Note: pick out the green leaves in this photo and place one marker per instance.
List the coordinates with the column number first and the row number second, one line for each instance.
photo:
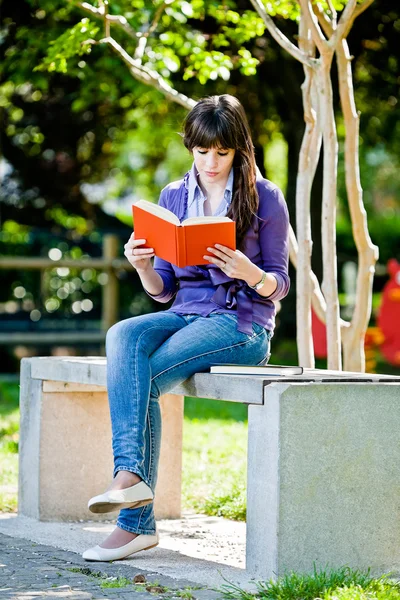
column 288, row 9
column 208, row 65
column 175, row 45
column 238, row 28
column 247, row 62
column 76, row 41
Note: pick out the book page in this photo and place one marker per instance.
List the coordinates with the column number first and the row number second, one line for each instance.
column 157, row 210
column 205, row 220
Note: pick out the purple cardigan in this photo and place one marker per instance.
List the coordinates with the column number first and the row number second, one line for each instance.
column 206, row 289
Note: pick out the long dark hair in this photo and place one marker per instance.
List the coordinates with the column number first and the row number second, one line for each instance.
column 220, row 122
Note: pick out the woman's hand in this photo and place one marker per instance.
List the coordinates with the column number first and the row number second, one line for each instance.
column 138, row 257
column 235, row 264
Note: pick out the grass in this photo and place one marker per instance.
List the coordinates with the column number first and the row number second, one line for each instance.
column 139, row 583
column 116, row 582
column 9, row 437
column 328, row 584
column 214, row 457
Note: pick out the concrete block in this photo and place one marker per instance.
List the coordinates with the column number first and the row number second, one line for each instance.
column 66, row 452
column 168, row 494
column 324, row 482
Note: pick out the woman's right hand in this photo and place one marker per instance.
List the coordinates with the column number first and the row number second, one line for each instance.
column 139, row 258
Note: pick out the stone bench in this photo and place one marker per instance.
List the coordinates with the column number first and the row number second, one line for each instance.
column 323, row 459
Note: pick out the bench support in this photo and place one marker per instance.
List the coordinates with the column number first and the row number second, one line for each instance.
column 66, row 454
column 323, row 478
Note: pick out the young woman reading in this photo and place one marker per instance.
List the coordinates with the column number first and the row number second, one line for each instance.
column 223, row 311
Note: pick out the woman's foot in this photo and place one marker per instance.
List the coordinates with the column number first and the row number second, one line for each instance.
column 123, row 480
column 119, row 537
column 127, row 490
column 108, row 552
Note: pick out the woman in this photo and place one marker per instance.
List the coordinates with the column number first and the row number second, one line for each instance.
column 223, row 311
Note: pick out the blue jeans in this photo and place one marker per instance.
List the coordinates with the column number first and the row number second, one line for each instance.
column 147, row 356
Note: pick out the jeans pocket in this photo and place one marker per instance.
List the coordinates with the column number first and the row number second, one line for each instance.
column 258, row 328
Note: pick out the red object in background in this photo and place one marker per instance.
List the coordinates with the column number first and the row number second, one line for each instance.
column 319, row 336
column 389, row 315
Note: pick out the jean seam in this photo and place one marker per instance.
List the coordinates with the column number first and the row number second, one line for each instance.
column 136, row 358
column 136, row 395
column 151, row 438
column 253, row 338
column 150, row 463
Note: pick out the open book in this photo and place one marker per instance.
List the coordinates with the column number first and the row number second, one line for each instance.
column 265, row 370
column 183, row 244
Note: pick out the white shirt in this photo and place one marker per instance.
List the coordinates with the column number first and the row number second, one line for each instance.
column 196, row 198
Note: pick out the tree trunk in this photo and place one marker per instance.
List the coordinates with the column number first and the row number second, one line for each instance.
column 353, row 336
column 329, row 283
column 308, row 160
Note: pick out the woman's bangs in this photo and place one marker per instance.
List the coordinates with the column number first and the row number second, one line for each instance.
column 212, row 133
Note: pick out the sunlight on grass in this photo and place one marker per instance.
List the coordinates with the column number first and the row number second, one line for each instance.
column 9, row 437
column 8, row 481
column 214, row 467
column 335, row 584
column 215, row 458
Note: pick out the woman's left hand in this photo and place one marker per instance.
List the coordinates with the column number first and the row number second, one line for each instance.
column 234, row 263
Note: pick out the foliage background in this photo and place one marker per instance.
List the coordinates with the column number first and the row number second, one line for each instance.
column 81, row 139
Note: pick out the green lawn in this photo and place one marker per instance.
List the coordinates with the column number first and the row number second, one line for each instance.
column 324, row 584
column 9, row 424
column 214, row 457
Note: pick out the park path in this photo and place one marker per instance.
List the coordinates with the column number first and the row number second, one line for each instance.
column 29, row 570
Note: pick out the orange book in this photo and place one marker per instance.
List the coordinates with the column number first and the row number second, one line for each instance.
column 182, row 244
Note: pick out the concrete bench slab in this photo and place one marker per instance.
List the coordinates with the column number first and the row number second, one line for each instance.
column 323, row 456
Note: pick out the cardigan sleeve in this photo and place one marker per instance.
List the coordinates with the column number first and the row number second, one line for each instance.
column 274, row 241
column 163, row 267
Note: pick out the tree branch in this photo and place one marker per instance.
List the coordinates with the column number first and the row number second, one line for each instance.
column 317, row 298
column 360, row 8
column 157, row 17
column 117, row 20
column 149, row 77
column 333, row 11
column 344, row 24
column 278, row 36
column 106, row 22
column 326, row 23
column 141, row 47
column 317, row 35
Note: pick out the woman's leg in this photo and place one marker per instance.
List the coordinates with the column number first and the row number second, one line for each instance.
column 129, row 345
column 136, row 426
column 205, row 341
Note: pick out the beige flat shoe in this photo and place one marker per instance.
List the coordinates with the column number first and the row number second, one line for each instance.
column 137, row 495
column 141, row 542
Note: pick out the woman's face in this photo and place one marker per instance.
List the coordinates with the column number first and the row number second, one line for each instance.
column 213, row 164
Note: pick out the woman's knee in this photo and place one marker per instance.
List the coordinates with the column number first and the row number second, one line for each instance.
column 129, row 332
column 121, row 333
